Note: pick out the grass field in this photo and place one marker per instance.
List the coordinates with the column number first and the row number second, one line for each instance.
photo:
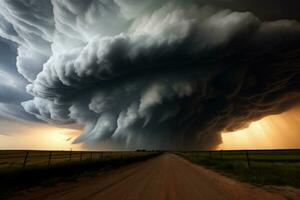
column 12, row 159
column 262, row 167
column 23, row 169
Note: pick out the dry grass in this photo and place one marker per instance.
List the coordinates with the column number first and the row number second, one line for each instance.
column 265, row 167
column 37, row 172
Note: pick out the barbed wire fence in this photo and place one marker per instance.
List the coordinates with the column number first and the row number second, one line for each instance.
column 249, row 156
column 23, row 159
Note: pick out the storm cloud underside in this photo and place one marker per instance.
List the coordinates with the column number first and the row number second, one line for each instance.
column 152, row 74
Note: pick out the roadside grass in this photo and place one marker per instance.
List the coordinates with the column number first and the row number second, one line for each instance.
column 262, row 171
column 16, row 179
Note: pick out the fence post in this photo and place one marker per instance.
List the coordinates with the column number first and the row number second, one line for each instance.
column 70, row 156
column 25, row 159
column 80, row 156
column 221, row 154
column 248, row 159
column 91, row 155
column 49, row 159
column 100, row 155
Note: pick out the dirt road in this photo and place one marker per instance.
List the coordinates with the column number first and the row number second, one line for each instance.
column 167, row 177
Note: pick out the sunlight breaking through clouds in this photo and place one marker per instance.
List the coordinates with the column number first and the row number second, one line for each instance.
column 148, row 74
column 275, row 131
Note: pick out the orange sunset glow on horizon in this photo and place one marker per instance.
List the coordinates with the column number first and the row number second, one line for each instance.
column 271, row 132
column 40, row 137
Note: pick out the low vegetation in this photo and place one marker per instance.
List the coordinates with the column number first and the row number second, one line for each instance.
column 265, row 167
column 15, row 177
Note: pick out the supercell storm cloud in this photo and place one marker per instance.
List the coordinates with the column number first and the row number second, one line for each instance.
column 152, row 74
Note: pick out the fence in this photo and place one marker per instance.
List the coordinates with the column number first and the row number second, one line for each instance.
column 249, row 156
column 21, row 159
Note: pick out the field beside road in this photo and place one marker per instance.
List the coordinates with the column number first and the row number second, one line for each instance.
column 117, row 175
column 24, row 169
column 165, row 177
column 16, row 159
column 262, row 167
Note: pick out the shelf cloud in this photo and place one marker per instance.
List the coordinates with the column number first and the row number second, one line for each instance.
column 151, row 74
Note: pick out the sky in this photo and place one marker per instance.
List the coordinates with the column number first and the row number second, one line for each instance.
column 280, row 131
column 159, row 74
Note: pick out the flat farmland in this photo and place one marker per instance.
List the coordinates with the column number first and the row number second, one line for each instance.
column 14, row 159
column 21, row 169
column 106, row 175
column 262, row 167
column 167, row 176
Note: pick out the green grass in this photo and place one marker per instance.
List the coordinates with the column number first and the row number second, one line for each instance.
column 11, row 159
column 266, row 167
column 16, row 178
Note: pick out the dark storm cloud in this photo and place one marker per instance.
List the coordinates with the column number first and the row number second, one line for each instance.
column 12, row 84
column 155, row 74
column 266, row 10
